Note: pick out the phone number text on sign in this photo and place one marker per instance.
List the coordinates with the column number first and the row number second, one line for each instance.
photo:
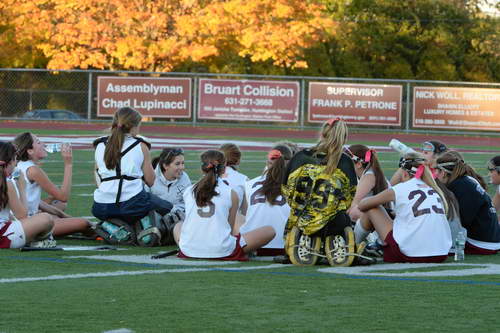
column 248, row 100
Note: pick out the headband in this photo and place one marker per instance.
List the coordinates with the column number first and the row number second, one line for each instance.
column 274, row 155
column 441, row 166
column 332, row 121
column 406, row 164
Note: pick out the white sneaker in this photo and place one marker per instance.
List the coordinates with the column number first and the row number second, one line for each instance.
column 46, row 243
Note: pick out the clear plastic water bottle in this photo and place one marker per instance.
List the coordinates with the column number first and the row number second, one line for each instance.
column 460, row 246
column 400, row 147
column 53, row 147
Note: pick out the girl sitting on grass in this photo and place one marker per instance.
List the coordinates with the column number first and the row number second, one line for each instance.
column 420, row 231
column 16, row 228
column 208, row 228
column 31, row 151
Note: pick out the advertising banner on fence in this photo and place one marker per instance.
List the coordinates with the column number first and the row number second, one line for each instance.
column 364, row 104
column 248, row 100
column 152, row 97
column 457, row 108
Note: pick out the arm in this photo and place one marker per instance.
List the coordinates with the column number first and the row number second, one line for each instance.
column 377, row 200
column 365, row 185
column 233, row 209
column 45, row 207
column 21, row 186
column 36, row 174
column 397, row 177
column 496, row 201
column 147, row 168
column 16, row 206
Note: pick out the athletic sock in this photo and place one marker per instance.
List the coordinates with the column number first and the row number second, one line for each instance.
column 359, row 232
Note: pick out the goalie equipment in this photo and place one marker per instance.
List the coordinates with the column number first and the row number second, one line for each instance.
column 168, row 222
column 148, row 232
column 303, row 250
column 116, row 231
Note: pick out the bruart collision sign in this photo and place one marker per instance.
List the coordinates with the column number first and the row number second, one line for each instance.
column 152, row 97
column 460, row 108
column 366, row 104
column 248, row 100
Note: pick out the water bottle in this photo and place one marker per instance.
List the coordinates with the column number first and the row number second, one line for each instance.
column 400, row 147
column 460, row 246
column 53, row 147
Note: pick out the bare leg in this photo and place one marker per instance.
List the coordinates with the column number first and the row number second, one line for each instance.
column 177, row 232
column 257, row 238
column 379, row 219
column 70, row 225
column 36, row 225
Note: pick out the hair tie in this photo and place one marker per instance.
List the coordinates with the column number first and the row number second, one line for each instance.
column 274, row 154
column 332, row 121
column 420, row 171
column 368, row 155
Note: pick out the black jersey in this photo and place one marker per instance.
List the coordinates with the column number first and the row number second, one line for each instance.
column 477, row 213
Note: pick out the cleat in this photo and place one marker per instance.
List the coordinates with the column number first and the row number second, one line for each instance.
column 303, row 250
column 374, row 249
column 340, row 248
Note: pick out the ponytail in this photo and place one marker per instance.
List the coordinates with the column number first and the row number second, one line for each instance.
column 123, row 121
column 414, row 164
column 213, row 166
column 278, row 157
column 333, row 136
column 7, row 154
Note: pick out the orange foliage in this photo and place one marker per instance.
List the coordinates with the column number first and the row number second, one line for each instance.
column 159, row 35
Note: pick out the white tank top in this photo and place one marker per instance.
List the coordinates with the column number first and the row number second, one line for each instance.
column 420, row 228
column 5, row 212
column 206, row 232
column 236, row 181
column 33, row 190
column 130, row 164
column 261, row 213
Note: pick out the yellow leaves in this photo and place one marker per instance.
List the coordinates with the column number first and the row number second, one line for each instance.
column 159, row 35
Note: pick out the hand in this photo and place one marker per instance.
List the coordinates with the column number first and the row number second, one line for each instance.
column 354, row 213
column 67, row 153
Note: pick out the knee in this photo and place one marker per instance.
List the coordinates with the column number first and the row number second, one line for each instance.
column 48, row 220
column 270, row 232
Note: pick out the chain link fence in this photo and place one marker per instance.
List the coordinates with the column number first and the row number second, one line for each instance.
column 23, row 90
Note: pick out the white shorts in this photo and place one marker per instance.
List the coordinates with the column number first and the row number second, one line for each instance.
column 15, row 233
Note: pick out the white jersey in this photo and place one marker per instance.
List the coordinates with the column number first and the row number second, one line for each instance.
column 237, row 182
column 261, row 213
column 33, row 190
column 130, row 165
column 420, row 227
column 206, row 232
column 5, row 213
column 171, row 190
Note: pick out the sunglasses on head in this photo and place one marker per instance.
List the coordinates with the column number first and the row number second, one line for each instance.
column 174, row 152
column 492, row 168
column 427, row 146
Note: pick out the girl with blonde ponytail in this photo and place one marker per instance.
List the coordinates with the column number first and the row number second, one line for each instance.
column 208, row 230
column 420, row 231
column 477, row 213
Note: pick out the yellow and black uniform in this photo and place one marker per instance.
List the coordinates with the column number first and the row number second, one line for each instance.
column 315, row 197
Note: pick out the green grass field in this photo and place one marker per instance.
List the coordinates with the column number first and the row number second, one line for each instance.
column 92, row 291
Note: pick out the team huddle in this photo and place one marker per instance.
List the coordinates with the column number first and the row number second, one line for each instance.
column 330, row 203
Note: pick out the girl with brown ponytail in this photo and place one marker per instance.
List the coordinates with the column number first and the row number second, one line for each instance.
column 266, row 205
column 123, row 167
column 16, row 228
column 31, row 152
column 208, row 228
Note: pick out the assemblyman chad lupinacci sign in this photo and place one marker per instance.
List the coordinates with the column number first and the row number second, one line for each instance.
column 156, row 97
